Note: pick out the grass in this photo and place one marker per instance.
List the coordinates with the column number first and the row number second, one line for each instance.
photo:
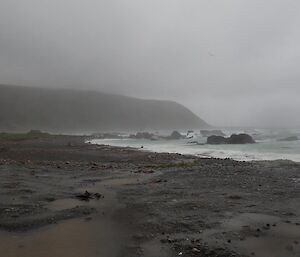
column 22, row 136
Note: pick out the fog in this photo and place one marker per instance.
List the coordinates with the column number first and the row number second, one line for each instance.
column 233, row 62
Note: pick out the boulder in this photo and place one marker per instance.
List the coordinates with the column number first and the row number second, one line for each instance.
column 175, row 135
column 233, row 139
column 143, row 135
column 216, row 140
column 240, row 139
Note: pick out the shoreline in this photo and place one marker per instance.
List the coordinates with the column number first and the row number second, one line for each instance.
column 158, row 204
column 198, row 155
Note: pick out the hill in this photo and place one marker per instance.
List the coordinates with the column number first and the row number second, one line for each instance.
column 65, row 110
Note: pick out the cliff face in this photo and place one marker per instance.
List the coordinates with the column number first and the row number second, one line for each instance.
column 62, row 110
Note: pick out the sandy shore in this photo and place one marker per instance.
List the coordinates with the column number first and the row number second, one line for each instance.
column 142, row 204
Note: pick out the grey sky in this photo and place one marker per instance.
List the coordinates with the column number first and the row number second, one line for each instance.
column 233, row 62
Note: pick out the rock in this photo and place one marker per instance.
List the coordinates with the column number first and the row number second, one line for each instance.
column 195, row 250
column 143, row 135
column 88, row 219
column 216, row 140
column 241, row 139
column 233, row 139
column 160, row 181
column 207, row 133
column 98, row 196
column 235, row 197
column 86, row 196
column 175, row 135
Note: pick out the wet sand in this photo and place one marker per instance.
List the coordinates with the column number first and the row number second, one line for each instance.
column 151, row 204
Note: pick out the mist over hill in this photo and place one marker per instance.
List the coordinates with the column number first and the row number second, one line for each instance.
column 63, row 110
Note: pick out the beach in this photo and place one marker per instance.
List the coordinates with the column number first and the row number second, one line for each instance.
column 61, row 196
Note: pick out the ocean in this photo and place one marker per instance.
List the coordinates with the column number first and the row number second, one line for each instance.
column 269, row 145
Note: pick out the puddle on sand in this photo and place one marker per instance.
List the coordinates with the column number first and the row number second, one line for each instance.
column 100, row 236
column 264, row 236
column 73, row 238
column 277, row 244
column 67, row 203
column 249, row 219
column 154, row 248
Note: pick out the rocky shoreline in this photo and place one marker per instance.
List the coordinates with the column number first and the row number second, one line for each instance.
column 151, row 204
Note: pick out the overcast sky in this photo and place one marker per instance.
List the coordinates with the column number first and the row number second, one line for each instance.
column 232, row 62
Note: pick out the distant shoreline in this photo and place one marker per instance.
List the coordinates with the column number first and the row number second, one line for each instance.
column 191, row 149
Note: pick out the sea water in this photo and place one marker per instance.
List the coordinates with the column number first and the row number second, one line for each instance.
column 268, row 146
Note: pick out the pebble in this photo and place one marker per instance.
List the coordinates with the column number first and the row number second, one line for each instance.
column 195, row 250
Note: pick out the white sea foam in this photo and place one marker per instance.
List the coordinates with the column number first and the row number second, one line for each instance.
column 267, row 147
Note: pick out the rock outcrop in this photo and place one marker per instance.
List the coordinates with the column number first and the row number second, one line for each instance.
column 143, row 135
column 175, row 135
column 241, row 139
column 233, row 139
column 216, row 140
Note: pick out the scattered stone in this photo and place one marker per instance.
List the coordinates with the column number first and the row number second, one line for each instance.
column 195, row 250
column 234, row 197
column 160, row 181
column 88, row 219
column 98, row 196
column 86, row 196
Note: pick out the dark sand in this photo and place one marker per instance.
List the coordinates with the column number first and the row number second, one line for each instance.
column 154, row 204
